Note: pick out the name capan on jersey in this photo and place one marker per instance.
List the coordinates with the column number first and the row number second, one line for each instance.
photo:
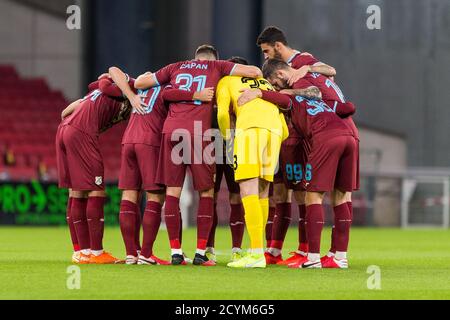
column 257, row 113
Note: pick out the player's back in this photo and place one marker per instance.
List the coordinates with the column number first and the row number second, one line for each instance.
column 147, row 128
column 97, row 113
column 316, row 119
column 257, row 113
column 191, row 75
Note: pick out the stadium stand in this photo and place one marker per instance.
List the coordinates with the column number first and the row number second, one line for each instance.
column 29, row 116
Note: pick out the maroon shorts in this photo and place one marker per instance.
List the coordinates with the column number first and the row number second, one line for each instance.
column 79, row 161
column 357, row 178
column 292, row 163
column 331, row 165
column 138, row 167
column 172, row 167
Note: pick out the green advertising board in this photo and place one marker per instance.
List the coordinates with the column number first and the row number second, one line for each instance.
column 42, row 203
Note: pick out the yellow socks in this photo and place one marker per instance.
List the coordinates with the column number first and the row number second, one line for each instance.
column 254, row 221
column 264, row 203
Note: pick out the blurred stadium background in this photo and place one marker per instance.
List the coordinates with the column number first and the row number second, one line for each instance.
column 397, row 76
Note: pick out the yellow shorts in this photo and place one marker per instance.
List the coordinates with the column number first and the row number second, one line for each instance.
column 256, row 154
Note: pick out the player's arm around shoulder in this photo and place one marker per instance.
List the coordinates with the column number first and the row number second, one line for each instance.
column 311, row 92
column 145, row 81
column 122, row 81
column 246, row 71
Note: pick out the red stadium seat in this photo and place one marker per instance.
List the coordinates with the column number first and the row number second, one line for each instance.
column 21, row 173
column 28, row 122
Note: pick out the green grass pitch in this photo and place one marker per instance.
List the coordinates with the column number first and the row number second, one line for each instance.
column 414, row 264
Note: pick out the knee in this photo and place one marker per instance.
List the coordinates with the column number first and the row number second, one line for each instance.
column 130, row 195
column 300, row 197
column 156, row 197
column 174, row 192
column 340, row 197
column 282, row 194
column 313, row 198
column 207, row 193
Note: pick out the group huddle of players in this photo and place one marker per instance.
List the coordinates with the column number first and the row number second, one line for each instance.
column 285, row 131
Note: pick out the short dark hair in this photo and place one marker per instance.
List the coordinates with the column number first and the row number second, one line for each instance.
column 271, row 35
column 207, row 49
column 273, row 65
column 239, row 60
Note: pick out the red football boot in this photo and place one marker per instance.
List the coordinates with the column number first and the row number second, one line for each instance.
column 333, row 263
column 299, row 262
column 325, row 258
column 271, row 259
column 295, row 257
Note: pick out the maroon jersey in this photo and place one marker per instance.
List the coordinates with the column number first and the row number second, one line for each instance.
column 315, row 119
column 98, row 112
column 147, row 128
column 193, row 75
column 299, row 60
column 329, row 89
column 331, row 93
column 296, row 61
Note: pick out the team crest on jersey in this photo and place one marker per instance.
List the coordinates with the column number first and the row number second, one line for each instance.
column 99, row 180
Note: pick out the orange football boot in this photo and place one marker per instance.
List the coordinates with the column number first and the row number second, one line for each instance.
column 84, row 258
column 104, row 258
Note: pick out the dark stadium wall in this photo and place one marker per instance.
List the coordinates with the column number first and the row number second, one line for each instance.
column 119, row 34
column 236, row 27
column 398, row 76
column 144, row 35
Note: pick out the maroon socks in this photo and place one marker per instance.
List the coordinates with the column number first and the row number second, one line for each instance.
column 212, row 234
column 150, row 224
column 302, row 238
column 78, row 217
column 342, row 224
column 269, row 225
column 173, row 221
column 204, row 221
column 237, row 224
column 73, row 233
column 281, row 224
column 127, row 218
column 96, row 221
column 314, row 226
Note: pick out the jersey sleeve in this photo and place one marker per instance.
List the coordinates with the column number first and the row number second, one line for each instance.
column 175, row 95
column 304, row 60
column 93, row 86
column 223, row 99
column 110, row 88
column 225, row 67
column 131, row 82
column 344, row 110
column 162, row 76
column 282, row 100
